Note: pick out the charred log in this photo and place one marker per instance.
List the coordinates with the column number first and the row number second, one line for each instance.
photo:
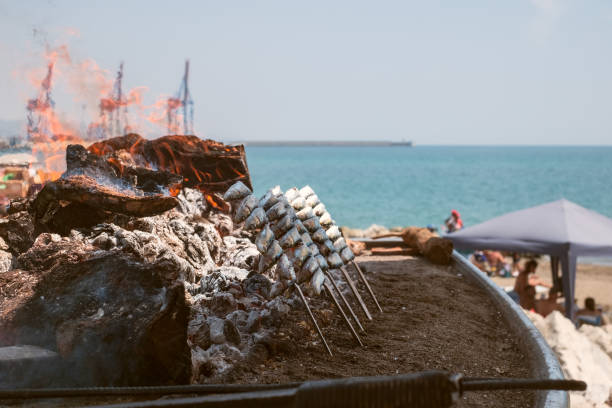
column 206, row 165
column 80, row 201
column 114, row 171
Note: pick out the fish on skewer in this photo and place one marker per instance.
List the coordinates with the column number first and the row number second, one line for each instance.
column 247, row 205
column 280, row 239
column 237, row 192
column 343, row 252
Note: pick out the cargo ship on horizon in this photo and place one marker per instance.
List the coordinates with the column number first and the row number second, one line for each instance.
column 332, row 143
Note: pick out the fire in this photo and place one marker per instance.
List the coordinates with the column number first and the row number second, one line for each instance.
column 104, row 102
column 188, row 156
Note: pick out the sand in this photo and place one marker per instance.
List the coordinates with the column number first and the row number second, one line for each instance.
column 434, row 318
column 584, row 354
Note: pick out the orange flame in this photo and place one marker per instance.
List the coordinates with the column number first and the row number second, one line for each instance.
column 91, row 86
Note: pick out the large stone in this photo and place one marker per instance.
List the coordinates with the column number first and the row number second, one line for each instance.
column 199, row 332
column 230, row 332
column 113, row 319
column 6, row 261
column 257, row 284
column 17, row 231
column 222, row 303
column 217, row 326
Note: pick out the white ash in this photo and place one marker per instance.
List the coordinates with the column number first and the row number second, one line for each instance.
column 229, row 302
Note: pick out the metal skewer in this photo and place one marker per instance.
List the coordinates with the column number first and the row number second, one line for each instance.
column 348, row 322
column 346, row 303
column 367, row 285
column 355, row 292
column 313, row 318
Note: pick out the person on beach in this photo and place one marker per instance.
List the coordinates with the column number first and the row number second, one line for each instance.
column 546, row 306
column 454, row 222
column 590, row 314
column 497, row 264
column 479, row 260
column 525, row 284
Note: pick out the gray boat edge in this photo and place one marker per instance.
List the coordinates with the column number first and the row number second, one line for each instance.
column 544, row 363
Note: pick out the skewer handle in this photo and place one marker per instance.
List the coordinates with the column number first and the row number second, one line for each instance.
column 355, row 292
column 367, row 285
column 348, row 322
column 313, row 319
column 346, row 303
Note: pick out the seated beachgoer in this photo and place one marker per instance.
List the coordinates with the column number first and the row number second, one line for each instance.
column 527, row 299
column 454, row 222
column 548, row 305
column 525, row 285
column 590, row 314
column 479, row 260
column 497, row 263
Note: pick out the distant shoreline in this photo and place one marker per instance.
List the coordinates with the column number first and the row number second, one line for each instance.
column 310, row 143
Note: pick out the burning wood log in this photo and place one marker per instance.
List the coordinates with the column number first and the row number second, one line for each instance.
column 206, row 165
column 91, row 191
column 437, row 250
column 81, row 201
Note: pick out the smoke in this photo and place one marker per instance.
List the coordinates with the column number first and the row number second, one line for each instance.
column 90, row 89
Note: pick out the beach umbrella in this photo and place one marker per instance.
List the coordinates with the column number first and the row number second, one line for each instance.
column 562, row 229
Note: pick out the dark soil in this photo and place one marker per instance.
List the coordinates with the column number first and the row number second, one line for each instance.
column 433, row 318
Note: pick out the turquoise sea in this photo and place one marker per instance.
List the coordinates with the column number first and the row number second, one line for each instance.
column 403, row 186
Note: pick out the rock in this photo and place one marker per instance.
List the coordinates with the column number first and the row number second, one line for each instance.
column 50, row 250
column 114, row 319
column 239, row 318
column 233, row 273
column 17, row 232
column 6, row 261
column 198, row 333
column 240, row 252
column 231, row 333
column 222, row 303
column 257, row 283
column 214, row 282
column 191, row 202
column 253, row 322
column 217, row 332
column 201, row 366
column 209, row 234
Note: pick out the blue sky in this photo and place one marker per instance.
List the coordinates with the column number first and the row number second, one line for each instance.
column 435, row 72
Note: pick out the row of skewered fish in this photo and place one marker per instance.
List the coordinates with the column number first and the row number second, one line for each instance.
column 300, row 243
